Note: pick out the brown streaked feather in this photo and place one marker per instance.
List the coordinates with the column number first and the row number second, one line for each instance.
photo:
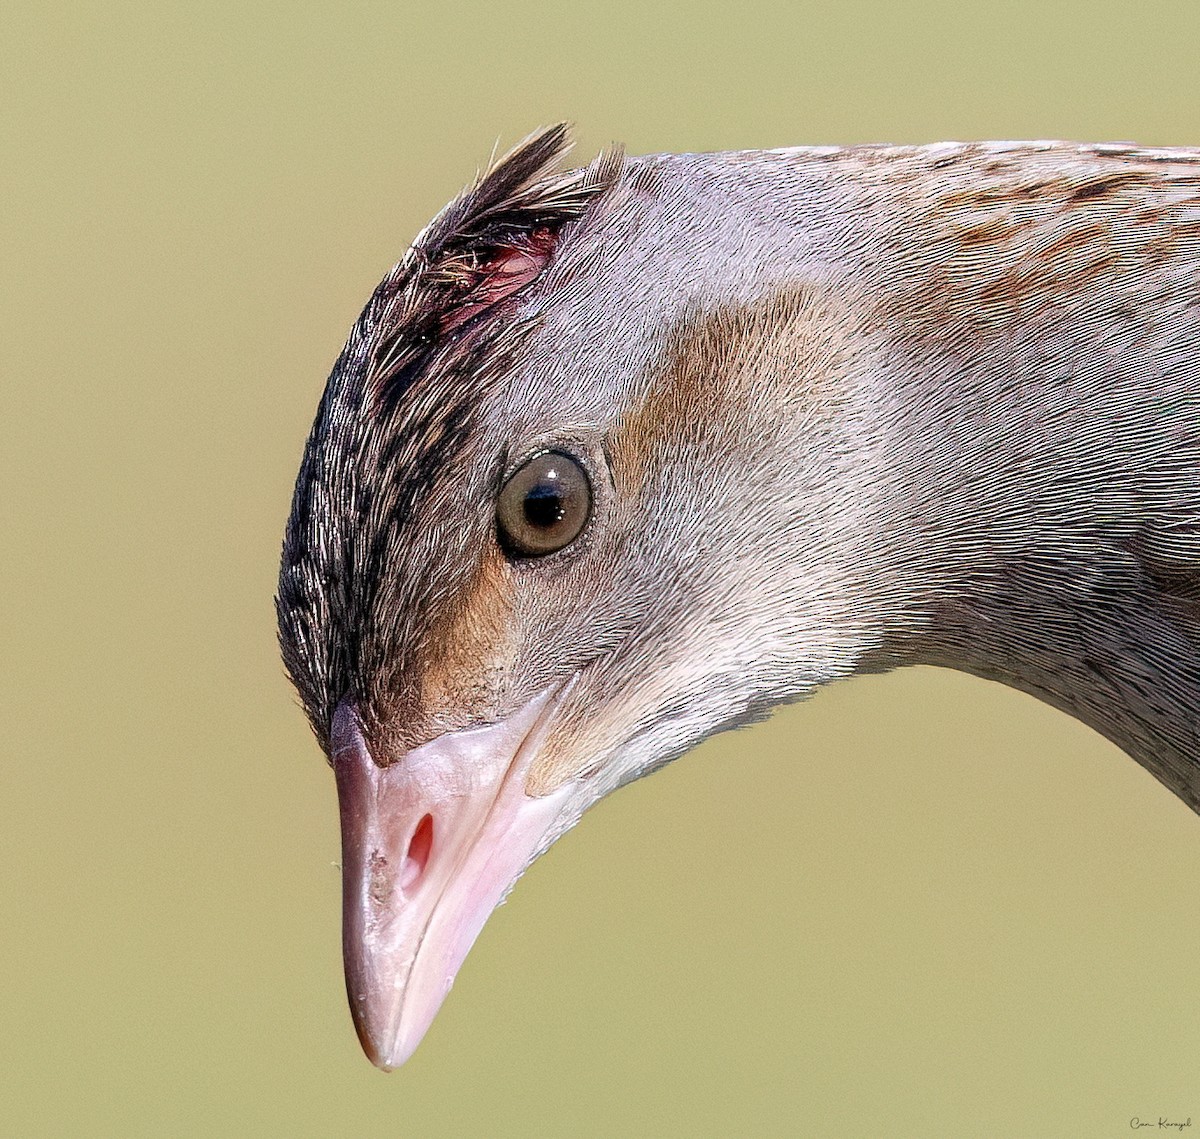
column 398, row 404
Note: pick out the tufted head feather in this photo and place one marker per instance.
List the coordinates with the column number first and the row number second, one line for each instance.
column 399, row 401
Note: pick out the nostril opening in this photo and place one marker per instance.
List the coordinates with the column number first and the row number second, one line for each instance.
column 417, row 857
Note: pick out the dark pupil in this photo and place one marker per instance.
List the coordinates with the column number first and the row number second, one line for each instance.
column 544, row 506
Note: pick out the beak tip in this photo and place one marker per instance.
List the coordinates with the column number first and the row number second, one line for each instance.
column 383, row 1063
column 388, row 1037
column 386, row 1056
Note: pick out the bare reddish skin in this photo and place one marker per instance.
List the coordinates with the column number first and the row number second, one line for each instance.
column 509, row 270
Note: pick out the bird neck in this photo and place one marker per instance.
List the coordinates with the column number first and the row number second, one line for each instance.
column 1039, row 429
column 1109, row 650
column 978, row 365
column 1022, row 390
column 1054, row 545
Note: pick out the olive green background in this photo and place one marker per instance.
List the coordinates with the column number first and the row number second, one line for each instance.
column 918, row 905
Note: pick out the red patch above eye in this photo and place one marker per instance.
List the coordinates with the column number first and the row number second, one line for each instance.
column 508, row 270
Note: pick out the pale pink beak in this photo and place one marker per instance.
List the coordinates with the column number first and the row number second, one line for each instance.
column 431, row 843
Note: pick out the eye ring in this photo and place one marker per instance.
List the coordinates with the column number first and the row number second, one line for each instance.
column 544, row 505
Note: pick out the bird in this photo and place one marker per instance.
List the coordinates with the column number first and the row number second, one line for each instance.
column 623, row 456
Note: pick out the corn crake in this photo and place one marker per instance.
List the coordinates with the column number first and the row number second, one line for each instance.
column 621, row 457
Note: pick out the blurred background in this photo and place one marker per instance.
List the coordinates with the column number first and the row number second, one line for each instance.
column 916, row 905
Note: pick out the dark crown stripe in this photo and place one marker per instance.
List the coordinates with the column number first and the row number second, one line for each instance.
column 398, row 406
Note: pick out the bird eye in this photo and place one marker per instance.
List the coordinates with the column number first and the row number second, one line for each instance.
column 544, row 506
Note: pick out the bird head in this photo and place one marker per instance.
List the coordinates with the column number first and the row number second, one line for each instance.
column 544, row 538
